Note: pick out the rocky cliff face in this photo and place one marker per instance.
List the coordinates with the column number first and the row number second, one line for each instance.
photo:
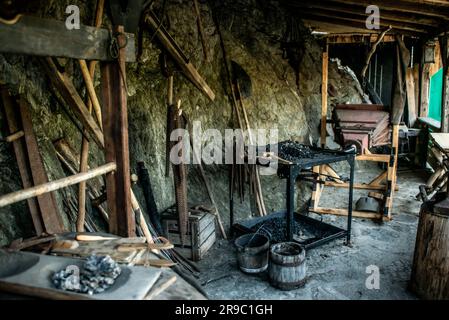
column 254, row 32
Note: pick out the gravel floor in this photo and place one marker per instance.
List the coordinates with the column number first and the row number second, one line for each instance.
column 335, row 271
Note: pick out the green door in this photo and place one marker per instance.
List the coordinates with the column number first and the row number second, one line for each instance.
column 436, row 95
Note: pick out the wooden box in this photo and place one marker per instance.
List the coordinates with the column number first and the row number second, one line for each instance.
column 200, row 235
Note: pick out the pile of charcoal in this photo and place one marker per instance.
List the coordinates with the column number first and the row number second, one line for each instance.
column 275, row 229
column 97, row 274
column 293, row 151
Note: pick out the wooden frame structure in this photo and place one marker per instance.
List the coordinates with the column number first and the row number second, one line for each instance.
column 114, row 140
column 386, row 182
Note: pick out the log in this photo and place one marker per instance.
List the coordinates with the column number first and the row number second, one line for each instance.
column 21, row 195
column 430, row 272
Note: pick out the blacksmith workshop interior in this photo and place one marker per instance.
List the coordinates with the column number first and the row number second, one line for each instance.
column 224, row 149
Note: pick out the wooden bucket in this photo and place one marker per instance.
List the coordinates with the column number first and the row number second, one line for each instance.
column 430, row 272
column 252, row 252
column 287, row 270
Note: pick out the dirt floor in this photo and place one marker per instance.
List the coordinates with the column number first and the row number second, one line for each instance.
column 335, row 271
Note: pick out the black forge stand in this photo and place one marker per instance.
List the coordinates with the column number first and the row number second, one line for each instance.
column 301, row 169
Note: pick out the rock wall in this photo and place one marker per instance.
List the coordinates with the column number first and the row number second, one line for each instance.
column 253, row 32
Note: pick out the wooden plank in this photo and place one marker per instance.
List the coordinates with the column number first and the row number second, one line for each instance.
column 425, row 90
column 115, row 124
column 357, row 38
column 359, row 186
column 411, row 103
column 374, row 157
column 47, row 202
column 324, row 88
column 444, row 46
column 22, row 162
column 175, row 52
column 68, row 91
column 51, row 38
column 344, row 212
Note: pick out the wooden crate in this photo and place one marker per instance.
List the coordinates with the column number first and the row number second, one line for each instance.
column 200, row 237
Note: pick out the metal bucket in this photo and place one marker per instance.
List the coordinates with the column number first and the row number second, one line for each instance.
column 287, row 266
column 252, row 252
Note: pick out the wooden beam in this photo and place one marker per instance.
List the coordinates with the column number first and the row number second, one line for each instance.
column 51, row 38
column 324, row 88
column 115, row 124
column 357, row 38
column 358, row 22
column 47, row 202
column 414, row 7
column 175, row 52
column 22, row 162
column 344, row 212
column 411, row 103
column 68, row 91
column 45, row 188
column 388, row 15
column 444, row 44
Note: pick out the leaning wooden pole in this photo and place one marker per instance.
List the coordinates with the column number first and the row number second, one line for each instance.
column 55, row 185
column 88, row 75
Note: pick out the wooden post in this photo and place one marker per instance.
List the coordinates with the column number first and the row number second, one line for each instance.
column 425, row 87
column 115, row 125
column 324, row 86
column 444, row 46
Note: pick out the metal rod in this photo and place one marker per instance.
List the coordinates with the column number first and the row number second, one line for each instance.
column 351, row 195
column 290, row 203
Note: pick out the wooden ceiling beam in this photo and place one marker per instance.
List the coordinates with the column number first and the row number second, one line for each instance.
column 361, row 11
column 356, row 25
column 361, row 22
column 431, row 9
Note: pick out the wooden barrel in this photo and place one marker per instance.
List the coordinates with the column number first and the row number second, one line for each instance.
column 252, row 252
column 430, row 272
column 287, row 269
